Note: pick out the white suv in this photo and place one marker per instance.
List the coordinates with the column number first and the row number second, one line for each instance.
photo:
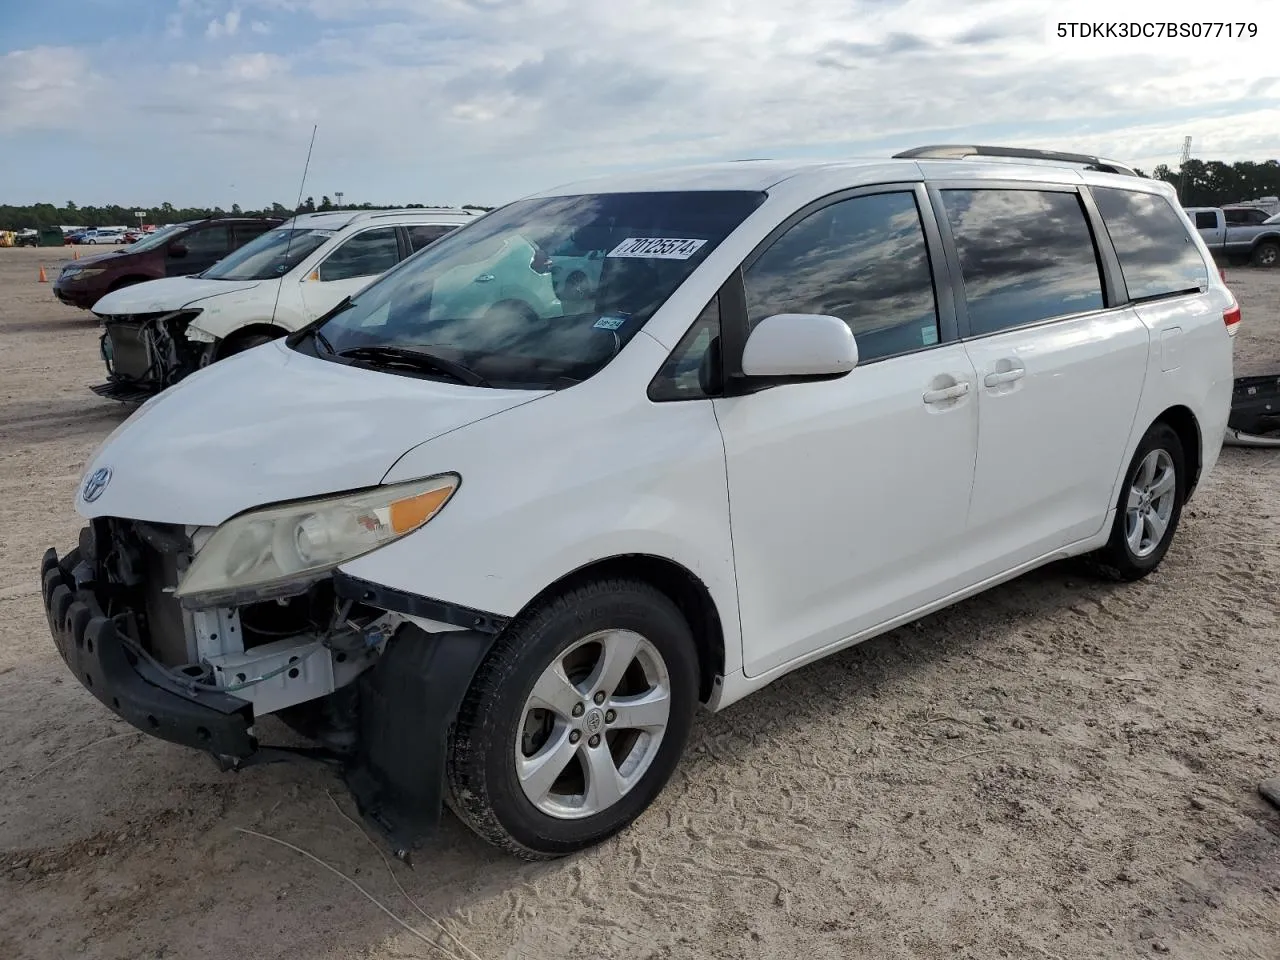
column 499, row 553
column 157, row 332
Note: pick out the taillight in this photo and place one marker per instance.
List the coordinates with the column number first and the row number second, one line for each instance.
column 1231, row 317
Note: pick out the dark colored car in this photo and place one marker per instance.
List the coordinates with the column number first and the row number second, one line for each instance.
column 177, row 250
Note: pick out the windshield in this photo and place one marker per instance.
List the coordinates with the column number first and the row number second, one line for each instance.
column 153, row 240
column 269, row 256
column 493, row 297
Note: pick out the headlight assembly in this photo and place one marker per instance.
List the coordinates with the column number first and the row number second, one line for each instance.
column 280, row 550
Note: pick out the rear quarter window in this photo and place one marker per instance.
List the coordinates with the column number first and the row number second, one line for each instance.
column 1157, row 256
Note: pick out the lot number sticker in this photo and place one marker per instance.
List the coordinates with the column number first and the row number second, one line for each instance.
column 657, row 248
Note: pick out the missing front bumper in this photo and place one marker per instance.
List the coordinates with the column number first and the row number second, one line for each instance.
column 110, row 667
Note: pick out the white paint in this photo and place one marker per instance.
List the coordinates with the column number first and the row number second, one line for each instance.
column 816, row 514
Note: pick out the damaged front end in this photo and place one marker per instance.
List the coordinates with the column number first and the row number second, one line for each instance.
column 1255, row 412
column 372, row 676
column 148, row 352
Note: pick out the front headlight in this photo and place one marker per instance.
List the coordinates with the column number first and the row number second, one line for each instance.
column 281, row 549
column 84, row 273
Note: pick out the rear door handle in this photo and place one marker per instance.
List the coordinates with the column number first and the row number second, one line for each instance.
column 1004, row 376
column 943, row 395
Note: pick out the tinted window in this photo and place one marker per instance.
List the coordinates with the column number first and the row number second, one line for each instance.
column 364, row 255
column 207, row 243
column 692, row 372
column 862, row 260
column 1206, row 220
column 424, row 234
column 248, row 231
column 1243, row 215
column 484, row 296
column 1025, row 255
column 1157, row 255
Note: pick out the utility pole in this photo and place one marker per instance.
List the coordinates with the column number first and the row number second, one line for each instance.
column 338, row 194
column 1182, row 165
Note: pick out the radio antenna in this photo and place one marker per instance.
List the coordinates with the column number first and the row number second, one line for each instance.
column 294, row 219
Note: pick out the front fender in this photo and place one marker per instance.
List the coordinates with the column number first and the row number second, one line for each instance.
column 551, row 487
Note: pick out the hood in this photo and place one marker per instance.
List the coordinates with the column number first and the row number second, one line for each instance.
column 96, row 259
column 271, row 424
column 171, row 293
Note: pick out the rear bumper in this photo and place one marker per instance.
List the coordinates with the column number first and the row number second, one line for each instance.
column 108, row 665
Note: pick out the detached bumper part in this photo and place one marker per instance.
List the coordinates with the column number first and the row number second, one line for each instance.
column 138, row 691
column 1255, row 412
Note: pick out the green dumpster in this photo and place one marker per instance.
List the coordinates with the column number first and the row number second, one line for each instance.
column 50, row 236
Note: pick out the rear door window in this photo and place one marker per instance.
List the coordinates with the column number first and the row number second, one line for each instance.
column 244, row 232
column 1025, row 256
column 424, row 234
column 1157, row 256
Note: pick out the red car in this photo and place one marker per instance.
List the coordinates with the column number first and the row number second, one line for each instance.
column 180, row 249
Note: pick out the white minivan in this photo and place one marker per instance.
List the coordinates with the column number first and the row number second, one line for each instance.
column 157, row 332
column 495, row 555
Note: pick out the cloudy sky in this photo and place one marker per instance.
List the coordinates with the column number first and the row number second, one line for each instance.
column 209, row 102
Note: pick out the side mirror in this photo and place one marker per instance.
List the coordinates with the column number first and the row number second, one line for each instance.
column 799, row 345
column 177, row 250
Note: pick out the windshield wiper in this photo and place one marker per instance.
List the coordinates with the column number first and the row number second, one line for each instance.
column 419, row 359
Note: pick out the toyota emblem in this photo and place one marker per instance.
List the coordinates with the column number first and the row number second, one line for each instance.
column 95, row 484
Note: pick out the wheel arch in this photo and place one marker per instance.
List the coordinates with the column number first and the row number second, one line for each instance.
column 128, row 280
column 255, row 328
column 684, row 588
column 1187, row 427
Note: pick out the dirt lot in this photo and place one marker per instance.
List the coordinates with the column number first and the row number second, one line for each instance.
column 1055, row 769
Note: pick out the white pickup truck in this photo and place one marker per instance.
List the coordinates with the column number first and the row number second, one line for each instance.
column 1256, row 243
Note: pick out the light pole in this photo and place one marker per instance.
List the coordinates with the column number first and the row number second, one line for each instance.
column 338, row 194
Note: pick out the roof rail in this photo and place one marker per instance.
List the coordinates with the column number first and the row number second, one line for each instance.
column 955, row 151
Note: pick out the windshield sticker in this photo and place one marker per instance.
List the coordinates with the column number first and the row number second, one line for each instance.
column 609, row 322
column 657, row 248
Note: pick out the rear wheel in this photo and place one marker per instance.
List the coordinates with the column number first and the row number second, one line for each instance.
column 1149, row 508
column 575, row 721
column 1266, row 254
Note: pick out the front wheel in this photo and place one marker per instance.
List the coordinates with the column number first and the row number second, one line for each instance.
column 575, row 721
column 1149, row 508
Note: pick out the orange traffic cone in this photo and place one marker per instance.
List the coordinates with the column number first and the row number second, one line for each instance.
column 75, row 254
column 43, row 278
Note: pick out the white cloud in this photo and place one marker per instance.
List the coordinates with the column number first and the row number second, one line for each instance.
column 228, row 26
column 41, row 88
column 493, row 98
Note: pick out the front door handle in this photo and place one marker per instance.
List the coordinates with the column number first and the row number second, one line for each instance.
column 946, row 394
column 1004, row 376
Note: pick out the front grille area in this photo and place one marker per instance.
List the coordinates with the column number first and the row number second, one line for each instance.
column 150, row 349
column 138, row 566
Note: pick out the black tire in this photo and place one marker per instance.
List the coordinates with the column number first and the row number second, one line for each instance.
column 246, row 341
column 483, row 789
column 1118, row 560
column 125, row 282
column 1266, row 254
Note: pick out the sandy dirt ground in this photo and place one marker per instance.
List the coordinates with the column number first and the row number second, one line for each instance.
column 1056, row 769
